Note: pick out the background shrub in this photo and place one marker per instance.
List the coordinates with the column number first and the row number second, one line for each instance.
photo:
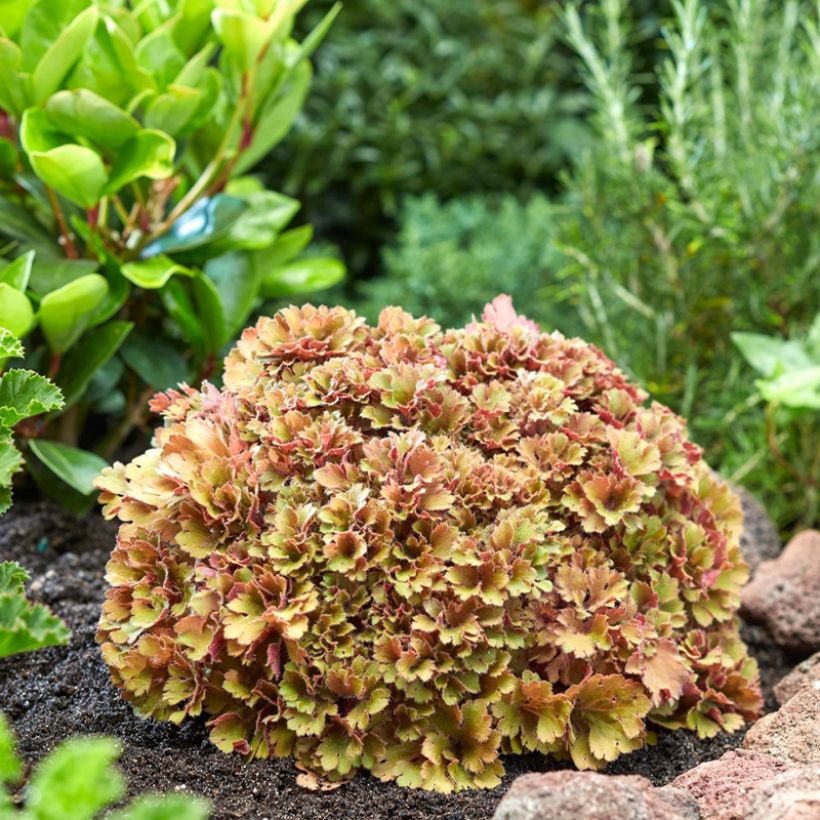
column 448, row 257
column 691, row 212
column 697, row 216
column 440, row 96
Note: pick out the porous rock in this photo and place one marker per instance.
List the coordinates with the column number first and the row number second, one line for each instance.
column 759, row 540
column 721, row 787
column 783, row 595
column 805, row 675
column 572, row 795
column 792, row 733
column 794, row 795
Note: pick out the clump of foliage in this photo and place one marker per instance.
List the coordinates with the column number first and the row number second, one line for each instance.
column 408, row 550
column 24, row 395
column 139, row 248
column 438, row 96
column 697, row 215
column 449, row 258
column 24, row 626
column 790, row 388
column 78, row 781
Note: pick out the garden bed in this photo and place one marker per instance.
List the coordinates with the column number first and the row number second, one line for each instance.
column 55, row 693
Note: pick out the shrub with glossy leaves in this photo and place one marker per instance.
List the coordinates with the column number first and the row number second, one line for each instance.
column 411, row 551
column 133, row 245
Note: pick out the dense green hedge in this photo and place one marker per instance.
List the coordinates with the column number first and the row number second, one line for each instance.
column 441, row 96
column 450, row 257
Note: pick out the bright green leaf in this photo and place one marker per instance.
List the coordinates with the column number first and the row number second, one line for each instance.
column 147, row 154
column 18, row 272
column 50, row 273
column 12, row 82
column 82, row 113
column 44, row 22
column 319, row 32
column 38, row 133
column 798, row 389
column 10, row 345
column 153, row 273
column 768, row 354
column 10, row 462
column 66, row 313
column 24, row 393
column 813, row 340
column 66, row 50
column 10, row 765
column 77, row 468
column 16, row 312
column 172, row 807
column 109, row 68
column 243, row 35
column 24, row 626
column 276, row 118
column 159, row 55
column 13, row 13
column 172, row 111
column 74, row 171
column 303, row 276
column 76, row 780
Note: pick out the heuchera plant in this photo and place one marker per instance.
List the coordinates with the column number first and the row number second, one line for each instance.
column 411, row 551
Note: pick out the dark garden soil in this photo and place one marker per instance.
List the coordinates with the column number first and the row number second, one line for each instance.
column 59, row 692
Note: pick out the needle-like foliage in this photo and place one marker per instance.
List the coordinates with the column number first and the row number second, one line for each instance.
column 411, row 551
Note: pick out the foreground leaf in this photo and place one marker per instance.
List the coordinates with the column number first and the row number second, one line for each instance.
column 24, row 626
column 76, row 780
column 24, row 393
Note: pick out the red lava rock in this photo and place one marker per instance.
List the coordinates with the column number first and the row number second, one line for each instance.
column 783, row 595
column 571, row 795
column 791, row 796
column 722, row 786
column 792, row 733
column 805, row 675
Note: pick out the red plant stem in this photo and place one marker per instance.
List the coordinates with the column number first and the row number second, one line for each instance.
column 54, row 365
column 65, row 233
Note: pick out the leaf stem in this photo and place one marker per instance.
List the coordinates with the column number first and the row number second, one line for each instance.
column 65, row 233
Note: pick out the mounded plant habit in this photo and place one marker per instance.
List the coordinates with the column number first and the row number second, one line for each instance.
column 411, row 551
